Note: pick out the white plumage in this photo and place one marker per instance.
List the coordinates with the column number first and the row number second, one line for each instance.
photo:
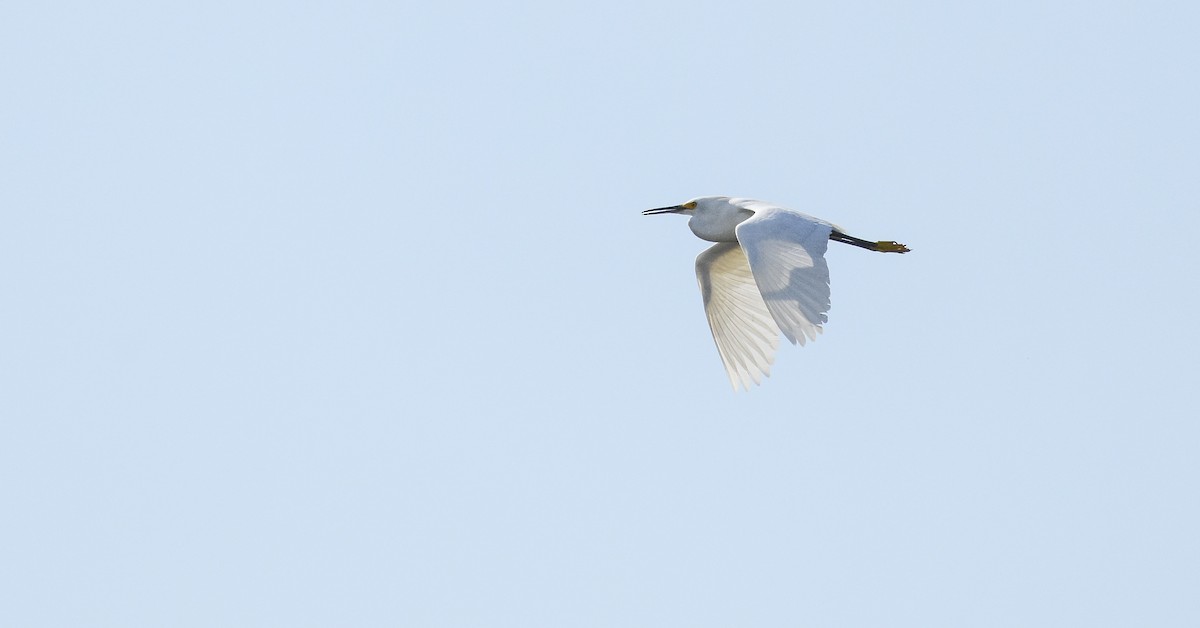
column 767, row 274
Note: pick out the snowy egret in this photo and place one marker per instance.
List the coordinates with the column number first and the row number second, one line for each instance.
column 766, row 274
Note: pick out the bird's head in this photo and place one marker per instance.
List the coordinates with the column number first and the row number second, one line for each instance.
column 713, row 218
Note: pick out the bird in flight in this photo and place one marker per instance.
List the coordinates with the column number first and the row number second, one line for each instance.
column 765, row 275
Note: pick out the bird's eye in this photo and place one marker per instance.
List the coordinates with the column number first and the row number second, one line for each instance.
column 690, row 205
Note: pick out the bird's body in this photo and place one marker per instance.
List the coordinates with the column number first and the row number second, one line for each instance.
column 765, row 276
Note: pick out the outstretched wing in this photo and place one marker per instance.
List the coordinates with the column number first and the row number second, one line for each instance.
column 786, row 252
column 745, row 333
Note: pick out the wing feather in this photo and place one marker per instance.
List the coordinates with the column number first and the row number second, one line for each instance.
column 744, row 330
column 786, row 254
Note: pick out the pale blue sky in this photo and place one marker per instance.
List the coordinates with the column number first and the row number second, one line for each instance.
column 344, row 314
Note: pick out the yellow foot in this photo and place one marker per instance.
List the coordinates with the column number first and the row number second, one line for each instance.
column 890, row 247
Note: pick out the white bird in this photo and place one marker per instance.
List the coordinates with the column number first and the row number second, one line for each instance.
column 766, row 274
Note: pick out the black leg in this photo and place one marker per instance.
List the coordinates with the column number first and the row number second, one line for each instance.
column 884, row 246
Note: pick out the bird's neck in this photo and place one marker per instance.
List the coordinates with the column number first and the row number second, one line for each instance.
column 718, row 225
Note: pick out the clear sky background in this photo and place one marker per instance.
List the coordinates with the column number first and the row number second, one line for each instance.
column 344, row 314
